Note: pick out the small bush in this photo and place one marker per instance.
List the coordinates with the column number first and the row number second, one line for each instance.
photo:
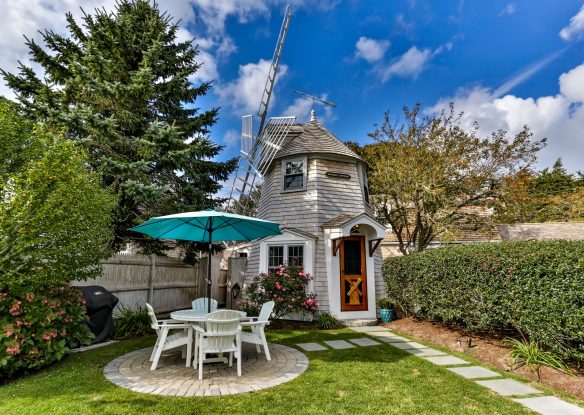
column 529, row 353
column 385, row 303
column 532, row 287
column 326, row 321
column 132, row 323
column 286, row 287
column 39, row 328
column 251, row 309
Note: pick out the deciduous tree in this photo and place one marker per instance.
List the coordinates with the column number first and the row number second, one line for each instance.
column 427, row 171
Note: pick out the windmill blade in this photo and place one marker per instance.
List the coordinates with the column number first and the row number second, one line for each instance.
column 253, row 166
column 247, row 137
column 270, row 142
column 265, row 102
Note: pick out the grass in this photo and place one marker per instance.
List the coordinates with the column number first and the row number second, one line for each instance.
column 363, row 380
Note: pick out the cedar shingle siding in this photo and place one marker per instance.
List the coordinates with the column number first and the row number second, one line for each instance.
column 324, row 199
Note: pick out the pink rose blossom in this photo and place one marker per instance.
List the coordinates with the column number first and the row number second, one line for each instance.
column 14, row 350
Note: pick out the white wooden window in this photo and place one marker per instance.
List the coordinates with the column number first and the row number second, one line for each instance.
column 292, row 254
column 294, row 174
column 275, row 257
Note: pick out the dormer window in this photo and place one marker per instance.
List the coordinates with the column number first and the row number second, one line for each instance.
column 294, row 174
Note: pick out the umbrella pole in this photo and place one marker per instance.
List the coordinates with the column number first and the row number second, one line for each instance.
column 209, row 281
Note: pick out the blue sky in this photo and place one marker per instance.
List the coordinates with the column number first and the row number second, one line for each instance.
column 376, row 55
column 505, row 63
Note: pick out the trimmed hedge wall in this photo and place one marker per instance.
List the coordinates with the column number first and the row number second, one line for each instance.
column 536, row 288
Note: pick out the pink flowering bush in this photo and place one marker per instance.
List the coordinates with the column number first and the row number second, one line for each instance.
column 37, row 328
column 287, row 287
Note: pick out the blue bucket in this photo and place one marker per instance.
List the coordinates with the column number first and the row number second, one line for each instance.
column 386, row 315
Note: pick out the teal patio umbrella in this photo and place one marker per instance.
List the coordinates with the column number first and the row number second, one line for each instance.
column 207, row 226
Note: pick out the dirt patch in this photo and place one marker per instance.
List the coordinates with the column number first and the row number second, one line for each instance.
column 487, row 349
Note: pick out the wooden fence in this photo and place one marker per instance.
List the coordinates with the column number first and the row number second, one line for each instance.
column 166, row 283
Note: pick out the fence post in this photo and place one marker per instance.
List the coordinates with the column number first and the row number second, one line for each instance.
column 151, row 275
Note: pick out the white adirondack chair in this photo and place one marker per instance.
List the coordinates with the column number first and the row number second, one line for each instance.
column 202, row 304
column 257, row 325
column 167, row 341
column 221, row 335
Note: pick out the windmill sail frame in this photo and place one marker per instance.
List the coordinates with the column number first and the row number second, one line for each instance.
column 258, row 152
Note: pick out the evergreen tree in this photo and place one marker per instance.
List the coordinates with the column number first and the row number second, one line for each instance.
column 554, row 182
column 119, row 83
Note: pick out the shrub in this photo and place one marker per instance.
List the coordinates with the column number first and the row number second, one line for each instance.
column 528, row 353
column 37, row 328
column 385, row 303
column 326, row 321
column 132, row 323
column 286, row 287
column 530, row 287
column 251, row 309
column 55, row 226
column 55, row 218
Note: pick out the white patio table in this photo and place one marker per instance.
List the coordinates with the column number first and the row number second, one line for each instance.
column 198, row 317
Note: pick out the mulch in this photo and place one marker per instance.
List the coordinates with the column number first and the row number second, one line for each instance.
column 486, row 348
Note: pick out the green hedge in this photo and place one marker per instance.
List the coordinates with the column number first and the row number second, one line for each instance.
column 536, row 288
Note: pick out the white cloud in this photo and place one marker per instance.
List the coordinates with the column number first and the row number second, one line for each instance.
column 302, row 106
column 370, row 49
column 243, row 94
column 575, row 29
column 214, row 13
column 410, row 64
column 509, row 9
column 231, row 139
column 403, row 24
column 28, row 17
column 20, row 18
column 560, row 117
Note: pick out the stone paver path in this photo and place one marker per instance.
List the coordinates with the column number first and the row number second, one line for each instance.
column 550, row 405
column 364, row 341
column 508, row 387
column 425, row 352
column 474, row 372
column 339, row 344
column 393, row 339
column 408, row 345
column 172, row 378
column 545, row 405
column 311, row 347
column 446, row 360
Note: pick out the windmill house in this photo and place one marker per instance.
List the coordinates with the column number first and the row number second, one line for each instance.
column 316, row 188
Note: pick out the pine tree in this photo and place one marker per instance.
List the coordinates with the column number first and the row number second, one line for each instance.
column 119, row 84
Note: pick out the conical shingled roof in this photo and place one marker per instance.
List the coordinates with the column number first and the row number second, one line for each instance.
column 311, row 138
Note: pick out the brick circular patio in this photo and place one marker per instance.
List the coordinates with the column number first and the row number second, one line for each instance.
column 172, row 378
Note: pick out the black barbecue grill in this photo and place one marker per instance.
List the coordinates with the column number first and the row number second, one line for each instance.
column 100, row 305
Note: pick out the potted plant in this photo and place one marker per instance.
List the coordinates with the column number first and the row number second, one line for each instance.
column 385, row 309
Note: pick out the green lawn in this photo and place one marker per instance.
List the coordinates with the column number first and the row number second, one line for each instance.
column 363, row 380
